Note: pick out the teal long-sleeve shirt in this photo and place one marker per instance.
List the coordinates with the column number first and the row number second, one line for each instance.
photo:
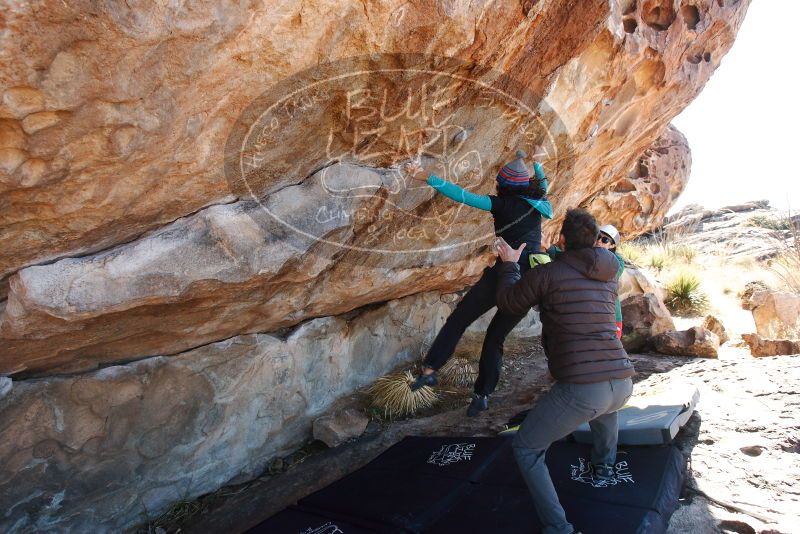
column 483, row 202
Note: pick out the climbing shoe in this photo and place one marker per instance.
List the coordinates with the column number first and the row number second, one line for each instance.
column 424, row 380
column 603, row 472
column 479, row 403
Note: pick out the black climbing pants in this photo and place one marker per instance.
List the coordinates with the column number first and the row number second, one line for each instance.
column 478, row 300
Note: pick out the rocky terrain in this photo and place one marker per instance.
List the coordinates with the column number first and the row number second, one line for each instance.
column 201, row 203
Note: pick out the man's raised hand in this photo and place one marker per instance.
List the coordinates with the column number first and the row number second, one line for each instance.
column 506, row 252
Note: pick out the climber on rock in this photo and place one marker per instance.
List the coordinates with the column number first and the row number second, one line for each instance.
column 517, row 209
column 576, row 294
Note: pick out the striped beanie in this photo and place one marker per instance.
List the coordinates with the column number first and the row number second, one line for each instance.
column 515, row 173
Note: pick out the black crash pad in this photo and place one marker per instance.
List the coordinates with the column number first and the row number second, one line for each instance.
column 440, row 485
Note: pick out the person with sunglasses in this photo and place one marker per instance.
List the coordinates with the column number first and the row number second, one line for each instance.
column 609, row 239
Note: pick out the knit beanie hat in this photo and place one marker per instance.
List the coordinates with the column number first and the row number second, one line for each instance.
column 515, row 173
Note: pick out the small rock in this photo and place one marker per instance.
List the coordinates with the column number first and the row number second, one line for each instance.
column 771, row 347
column 5, row 386
column 715, row 325
column 754, row 450
column 696, row 341
column 333, row 430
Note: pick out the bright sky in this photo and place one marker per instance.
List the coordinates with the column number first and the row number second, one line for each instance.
column 743, row 127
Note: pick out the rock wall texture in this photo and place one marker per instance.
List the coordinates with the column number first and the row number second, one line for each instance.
column 115, row 117
column 180, row 183
column 114, row 446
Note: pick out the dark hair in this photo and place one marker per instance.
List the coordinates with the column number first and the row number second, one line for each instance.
column 580, row 229
column 533, row 190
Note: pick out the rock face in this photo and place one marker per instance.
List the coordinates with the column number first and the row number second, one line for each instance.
column 696, row 341
column 771, row 347
column 643, row 317
column 645, row 194
column 130, row 149
column 740, row 231
column 109, row 446
column 335, row 429
column 776, row 313
column 5, row 386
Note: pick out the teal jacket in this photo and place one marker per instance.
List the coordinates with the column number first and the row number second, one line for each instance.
column 483, row 202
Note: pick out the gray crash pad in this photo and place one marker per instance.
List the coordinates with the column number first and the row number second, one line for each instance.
column 652, row 419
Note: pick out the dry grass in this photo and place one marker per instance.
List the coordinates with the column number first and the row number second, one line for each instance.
column 392, row 394
column 458, row 372
column 786, row 264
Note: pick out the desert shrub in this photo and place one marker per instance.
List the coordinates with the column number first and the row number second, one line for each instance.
column 393, row 395
column 685, row 295
column 771, row 223
column 786, row 263
column 458, row 372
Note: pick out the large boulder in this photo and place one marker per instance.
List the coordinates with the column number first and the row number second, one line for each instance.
column 696, row 341
column 644, row 316
column 776, row 313
column 123, row 237
column 771, row 347
column 100, row 451
column 635, row 281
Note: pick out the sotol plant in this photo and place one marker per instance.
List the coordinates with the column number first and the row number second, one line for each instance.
column 392, row 394
column 685, row 295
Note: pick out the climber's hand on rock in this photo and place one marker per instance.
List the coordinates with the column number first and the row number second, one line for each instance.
column 415, row 171
column 506, row 252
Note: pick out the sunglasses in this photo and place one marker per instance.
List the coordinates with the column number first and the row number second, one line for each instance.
column 606, row 240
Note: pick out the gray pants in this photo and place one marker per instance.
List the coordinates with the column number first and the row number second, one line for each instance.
column 555, row 415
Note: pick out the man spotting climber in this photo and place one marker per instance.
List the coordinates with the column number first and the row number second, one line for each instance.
column 576, row 294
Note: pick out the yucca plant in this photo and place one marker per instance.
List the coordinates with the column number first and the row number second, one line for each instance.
column 392, row 394
column 458, row 372
column 685, row 295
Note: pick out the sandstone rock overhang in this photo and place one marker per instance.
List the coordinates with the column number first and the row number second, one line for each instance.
column 114, row 126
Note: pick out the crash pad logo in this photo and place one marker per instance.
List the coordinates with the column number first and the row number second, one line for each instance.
column 582, row 472
column 323, row 154
column 453, row 453
column 327, row 528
